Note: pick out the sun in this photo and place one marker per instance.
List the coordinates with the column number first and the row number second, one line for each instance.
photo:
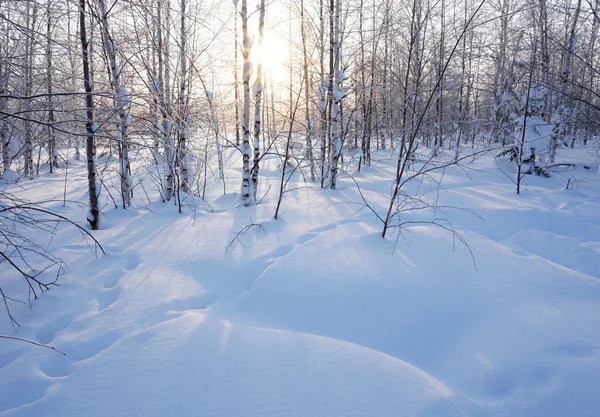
column 274, row 52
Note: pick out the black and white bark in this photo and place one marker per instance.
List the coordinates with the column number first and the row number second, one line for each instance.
column 31, row 20
column 90, row 126
column 4, row 90
column 121, row 104
column 246, row 72
column 323, row 94
column 182, row 159
column 52, row 153
column 236, row 85
column 258, row 90
column 162, row 89
column 309, row 129
column 337, row 94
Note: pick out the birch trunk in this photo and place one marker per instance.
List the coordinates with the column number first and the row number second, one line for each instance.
column 385, row 88
column 28, row 146
column 53, row 157
column 363, row 86
column 545, row 60
column 182, row 125
column 162, row 90
column 73, row 66
column 309, row 149
column 155, row 106
column 247, row 69
column 591, row 78
column 236, row 82
column 562, row 112
column 120, row 102
column 94, row 214
column 439, row 104
column 336, row 98
column 322, row 92
column 4, row 83
column 258, row 88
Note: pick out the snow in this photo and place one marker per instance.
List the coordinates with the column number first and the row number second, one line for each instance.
column 155, row 86
column 10, row 177
column 122, row 97
column 538, row 133
column 314, row 314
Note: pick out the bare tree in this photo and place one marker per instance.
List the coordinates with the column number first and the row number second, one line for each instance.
column 246, row 72
column 90, row 126
column 309, row 128
column 561, row 113
column 258, row 90
column 337, row 95
column 182, row 159
column 121, row 102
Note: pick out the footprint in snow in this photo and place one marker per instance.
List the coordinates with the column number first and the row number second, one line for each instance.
column 48, row 332
column 59, row 366
column 132, row 260
column 108, row 297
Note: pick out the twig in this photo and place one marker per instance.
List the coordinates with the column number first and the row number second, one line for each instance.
column 244, row 230
column 33, row 343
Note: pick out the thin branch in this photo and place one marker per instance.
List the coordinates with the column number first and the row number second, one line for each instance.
column 33, row 343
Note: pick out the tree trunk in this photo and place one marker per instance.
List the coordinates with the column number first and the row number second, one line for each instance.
column 73, row 67
column 309, row 150
column 183, row 101
column 236, row 82
column 162, row 89
column 363, row 85
column 258, row 89
column 4, row 83
column 336, row 97
column 545, row 61
column 90, row 127
column 53, row 157
column 323, row 89
column 29, row 51
column 120, row 103
column 561, row 111
column 247, row 69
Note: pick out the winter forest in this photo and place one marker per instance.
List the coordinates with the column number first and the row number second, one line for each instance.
column 300, row 208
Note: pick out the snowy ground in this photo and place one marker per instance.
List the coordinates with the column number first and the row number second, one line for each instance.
column 314, row 314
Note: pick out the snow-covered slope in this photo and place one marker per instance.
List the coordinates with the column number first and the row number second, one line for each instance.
column 314, row 314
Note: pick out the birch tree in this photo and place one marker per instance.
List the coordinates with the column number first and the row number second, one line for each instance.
column 52, row 154
column 162, row 87
column 31, row 19
column 258, row 89
column 4, row 85
column 182, row 160
column 120, row 103
column 337, row 95
column 246, row 72
column 323, row 93
column 309, row 129
column 561, row 112
column 236, row 85
column 90, row 126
